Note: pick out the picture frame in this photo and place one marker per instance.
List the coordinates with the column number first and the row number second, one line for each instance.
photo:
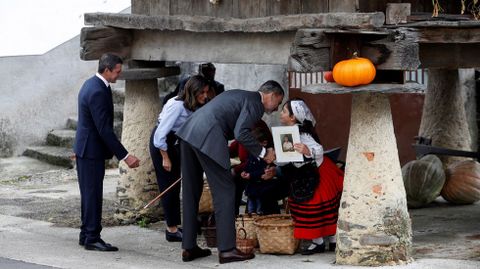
column 283, row 139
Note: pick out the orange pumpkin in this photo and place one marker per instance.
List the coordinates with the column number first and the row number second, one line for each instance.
column 462, row 185
column 354, row 72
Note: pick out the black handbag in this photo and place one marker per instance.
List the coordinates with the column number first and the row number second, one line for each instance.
column 303, row 181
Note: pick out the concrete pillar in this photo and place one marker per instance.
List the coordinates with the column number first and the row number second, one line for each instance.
column 137, row 187
column 374, row 226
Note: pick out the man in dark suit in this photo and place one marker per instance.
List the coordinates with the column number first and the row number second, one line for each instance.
column 95, row 141
column 207, row 70
column 204, row 147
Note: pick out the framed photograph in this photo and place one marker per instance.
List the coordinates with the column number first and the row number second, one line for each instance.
column 283, row 139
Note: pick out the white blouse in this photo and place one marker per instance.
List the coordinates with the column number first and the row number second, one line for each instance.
column 172, row 117
column 316, row 150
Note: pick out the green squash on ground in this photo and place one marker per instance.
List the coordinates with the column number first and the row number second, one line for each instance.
column 463, row 182
column 423, row 180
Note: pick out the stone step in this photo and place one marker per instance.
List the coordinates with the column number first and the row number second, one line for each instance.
column 118, row 112
column 60, row 156
column 61, row 138
column 72, row 123
column 118, row 116
column 118, row 95
column 117, row 128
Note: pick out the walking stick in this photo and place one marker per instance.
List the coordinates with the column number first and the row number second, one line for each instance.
column 161, row 194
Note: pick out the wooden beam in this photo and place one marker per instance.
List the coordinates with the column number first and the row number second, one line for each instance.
column 388, row 49
column 250, row 25
column 310, row 51
column 449, row 35
column 397, row 51
column 334, row 88
column 149, row 73
column 450, row 56
column 241, row 48
column 94, row 41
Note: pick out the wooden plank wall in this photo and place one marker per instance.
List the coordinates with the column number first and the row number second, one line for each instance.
column 240, row 8
column 449, row 6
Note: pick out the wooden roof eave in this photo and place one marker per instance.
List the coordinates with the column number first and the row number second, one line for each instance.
column 249, row 25
column 252, row 40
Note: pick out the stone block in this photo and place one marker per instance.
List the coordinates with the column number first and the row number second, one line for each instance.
column 378, row 240
column 397, row 13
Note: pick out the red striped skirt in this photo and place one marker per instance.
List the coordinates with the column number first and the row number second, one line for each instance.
column 318, row 216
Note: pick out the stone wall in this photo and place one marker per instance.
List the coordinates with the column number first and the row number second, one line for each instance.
column 38, row 94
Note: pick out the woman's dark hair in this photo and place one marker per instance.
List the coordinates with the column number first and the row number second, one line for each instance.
column 193, row 88
column 306, row 126
column 108, row 61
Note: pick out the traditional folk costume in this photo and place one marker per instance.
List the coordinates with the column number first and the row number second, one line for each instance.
column 316, row 217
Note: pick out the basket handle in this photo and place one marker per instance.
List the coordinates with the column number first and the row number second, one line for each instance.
column 244, row 233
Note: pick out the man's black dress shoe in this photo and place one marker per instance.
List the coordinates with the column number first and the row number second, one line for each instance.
column 234, row 255
column 174, row 237
column 100, row 246
column 194, row 253
column 332, row 246
column 315, row 249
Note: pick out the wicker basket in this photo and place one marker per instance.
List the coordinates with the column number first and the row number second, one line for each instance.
column 210, row 234
column 206, row 202
column 243, row 243
column 275, row 234
column 245, row 221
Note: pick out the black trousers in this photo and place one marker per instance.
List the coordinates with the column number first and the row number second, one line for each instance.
column 221, row 185
column 90, row 180
column 171, row 199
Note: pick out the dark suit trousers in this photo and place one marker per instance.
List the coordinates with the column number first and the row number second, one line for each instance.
column 171, row 199
column 90, row 179
column 222, row 187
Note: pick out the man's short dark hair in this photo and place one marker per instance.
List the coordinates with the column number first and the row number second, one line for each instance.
column 272, row 86
column 108, row 61
column 206, row 67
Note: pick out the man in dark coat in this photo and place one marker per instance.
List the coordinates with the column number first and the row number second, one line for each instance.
column 207, row 70
column 95, row 141
column 204, row 147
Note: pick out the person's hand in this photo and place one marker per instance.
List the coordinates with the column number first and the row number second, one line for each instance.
column 269, row 173
column 132, row 161
column 269, row 156
column 245, row 175
column 167, row 164
column 302, row 148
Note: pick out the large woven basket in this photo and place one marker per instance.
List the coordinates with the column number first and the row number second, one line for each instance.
column 275, row 234
column 245, row 221
column 206, row 202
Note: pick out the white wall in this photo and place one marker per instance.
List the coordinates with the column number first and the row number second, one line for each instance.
column 38, row 93
column 251, row 77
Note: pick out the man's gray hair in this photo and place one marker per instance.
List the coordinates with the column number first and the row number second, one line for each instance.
column 272, row 86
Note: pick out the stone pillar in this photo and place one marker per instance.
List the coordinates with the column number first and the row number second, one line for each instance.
column 138, row 186
column 444, row 119
column 374, row 226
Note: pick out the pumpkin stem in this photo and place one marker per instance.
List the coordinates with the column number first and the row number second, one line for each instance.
column 355, row 55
